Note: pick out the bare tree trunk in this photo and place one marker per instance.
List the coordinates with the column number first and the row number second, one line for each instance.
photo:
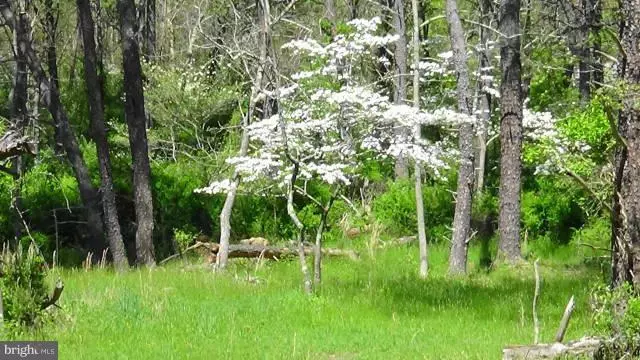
column 464, row 194
column 626, row 215
column 317, row 250
column 485, row 98
column 136, row 121
column 422, row 233
column 50, row 96
column 400, row 71
column 99, row 134
column 256, row 89
column 510, row 131
column 306, row 279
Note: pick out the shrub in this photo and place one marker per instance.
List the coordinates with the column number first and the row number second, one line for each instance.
column 617, row 312
column 23, row 286
column 396, row 209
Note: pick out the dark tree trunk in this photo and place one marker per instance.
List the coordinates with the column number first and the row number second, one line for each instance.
column 400, row 71
column 18, row 116
column 149, row 30
column 626, row 214
column 136, row 121
column 51, row 28
column 594, row 19
column 50, row 97
column 100, row 50
column 353, row 9
column 464, row 194
column 99, row 135
column 510, row 131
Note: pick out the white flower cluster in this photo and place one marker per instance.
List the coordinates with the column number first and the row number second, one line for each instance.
column 330, row 128
column 539, row 125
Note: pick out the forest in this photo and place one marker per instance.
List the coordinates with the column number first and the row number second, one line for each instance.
column 321, row 179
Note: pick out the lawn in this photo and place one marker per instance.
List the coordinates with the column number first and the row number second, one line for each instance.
column 375, row 308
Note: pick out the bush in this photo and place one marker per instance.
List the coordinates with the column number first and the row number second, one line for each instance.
column 617, row 312
column 396, row 209
column 23, row 287
column 551, row 209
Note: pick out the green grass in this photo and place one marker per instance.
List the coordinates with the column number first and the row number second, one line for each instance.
column 376, row 308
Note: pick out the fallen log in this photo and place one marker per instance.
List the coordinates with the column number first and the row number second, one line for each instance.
column 278, row 252
column 266, row 252
column 583, row 348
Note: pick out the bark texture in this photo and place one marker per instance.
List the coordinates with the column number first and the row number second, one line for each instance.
column 99, row 135
column 626, row 206
column 510, row 131
column 136, row 121
column 464, row 194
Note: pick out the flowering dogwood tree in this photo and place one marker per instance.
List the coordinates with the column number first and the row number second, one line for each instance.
column 329, row 121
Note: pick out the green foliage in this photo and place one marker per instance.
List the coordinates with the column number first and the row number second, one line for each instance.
column 184, row 238
column 189, row 111
column 23, row 287
column 551, row 209
column 551, row 86
column 590, row 126
column 395, row 209
column 41, row 241
column 617, row 312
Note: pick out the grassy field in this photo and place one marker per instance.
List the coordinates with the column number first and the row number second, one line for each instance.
column 372, row 309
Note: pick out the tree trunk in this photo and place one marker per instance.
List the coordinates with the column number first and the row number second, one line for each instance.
column 50, row 97
column 353, row 9
column 256, row 90
column 510, row 131
column 149, row 33
column 18, row 117
column 100, row 50
column 51, row 28
column 306, row 279
column 464, row 194
column 594, row 19
column 485, row 98
column 99, row 135
column 626, row 215
column 400, row 71
column 330, row 11
column 136, row 122
column 422, row 233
